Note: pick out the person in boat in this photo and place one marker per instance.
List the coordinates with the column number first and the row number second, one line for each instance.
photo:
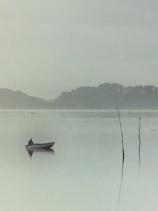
column 30, row 142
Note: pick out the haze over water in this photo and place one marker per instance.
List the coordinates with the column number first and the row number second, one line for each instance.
column 84, row 172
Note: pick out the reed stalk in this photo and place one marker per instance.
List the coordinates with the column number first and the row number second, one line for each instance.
column 139, row 144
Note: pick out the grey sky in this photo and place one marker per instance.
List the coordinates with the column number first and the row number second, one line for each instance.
column 54, row 45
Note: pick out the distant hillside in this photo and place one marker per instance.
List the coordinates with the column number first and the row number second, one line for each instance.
column 10, row 99
column 108, row 96
column 105, row 96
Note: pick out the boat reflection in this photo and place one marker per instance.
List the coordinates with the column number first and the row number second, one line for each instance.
column 48, row 150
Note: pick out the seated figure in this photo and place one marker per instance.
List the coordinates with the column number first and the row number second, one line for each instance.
column 30, row 142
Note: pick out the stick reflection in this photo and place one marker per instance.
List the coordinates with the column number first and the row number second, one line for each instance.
column 121, row 184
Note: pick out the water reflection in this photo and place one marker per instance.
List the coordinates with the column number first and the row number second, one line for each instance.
column 121, row 183
column 49, row 150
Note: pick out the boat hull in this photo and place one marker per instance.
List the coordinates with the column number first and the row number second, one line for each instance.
column 40, row 146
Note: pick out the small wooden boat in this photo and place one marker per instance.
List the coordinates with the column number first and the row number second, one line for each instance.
column 39, row 146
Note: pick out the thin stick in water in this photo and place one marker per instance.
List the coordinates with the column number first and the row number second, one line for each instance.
column 122, row 140
column 139, row 145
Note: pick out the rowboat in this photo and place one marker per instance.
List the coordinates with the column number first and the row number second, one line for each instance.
column 39, row 146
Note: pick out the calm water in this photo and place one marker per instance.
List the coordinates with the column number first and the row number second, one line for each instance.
column 84, row 172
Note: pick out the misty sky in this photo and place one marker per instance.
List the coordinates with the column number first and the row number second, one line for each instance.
column 47, row 46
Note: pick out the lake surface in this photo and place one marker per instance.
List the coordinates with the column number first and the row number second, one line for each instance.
column 84, row 172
